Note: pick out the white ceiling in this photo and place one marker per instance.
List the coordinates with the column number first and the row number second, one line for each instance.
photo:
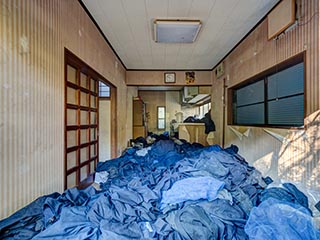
column 128, row 26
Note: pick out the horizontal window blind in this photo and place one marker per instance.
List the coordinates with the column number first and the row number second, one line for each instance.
column 275, row 99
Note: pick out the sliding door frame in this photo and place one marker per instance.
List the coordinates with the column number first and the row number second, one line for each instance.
column 85, row 137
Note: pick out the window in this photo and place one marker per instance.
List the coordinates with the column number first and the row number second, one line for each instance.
column 104, row 90
column 201, row 114
column 286, row 97
column 203, row 109
column 274, row 98
column 249, row 104
column 161, row 117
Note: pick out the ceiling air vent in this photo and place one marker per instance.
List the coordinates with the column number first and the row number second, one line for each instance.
column 176, row 31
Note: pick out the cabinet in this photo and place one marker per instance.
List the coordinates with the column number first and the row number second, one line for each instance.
column 139, row 118
column 193, row 132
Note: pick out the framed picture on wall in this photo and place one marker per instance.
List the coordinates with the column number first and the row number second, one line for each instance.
column 190, row 77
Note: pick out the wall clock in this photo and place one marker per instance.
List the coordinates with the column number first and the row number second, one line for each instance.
column 170, row 77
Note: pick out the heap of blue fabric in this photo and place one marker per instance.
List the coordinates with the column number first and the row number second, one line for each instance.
column 168, row 191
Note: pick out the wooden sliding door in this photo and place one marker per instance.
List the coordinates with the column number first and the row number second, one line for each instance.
column 81, row 120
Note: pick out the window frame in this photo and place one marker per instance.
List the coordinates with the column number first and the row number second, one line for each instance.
column 102, row 85
column 201, row 109
column 81, row 168
column 299, row 58
column 161, row 118
column 84, row 137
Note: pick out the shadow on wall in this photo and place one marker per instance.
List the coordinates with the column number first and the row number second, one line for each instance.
column 292, row 155
column 299, row 155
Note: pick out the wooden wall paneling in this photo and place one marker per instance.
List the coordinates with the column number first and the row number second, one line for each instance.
column 138, row 113
column 114, row 122
column 33, row 35
column 256, row 54
column 139, row 131
column 27, row 159
column 153, row 99
column 217, row 107
column 193, row 132
column 132, row 92
column 156, row 78
column 281, row 17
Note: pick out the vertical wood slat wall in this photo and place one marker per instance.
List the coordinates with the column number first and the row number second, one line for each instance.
column 304, row 37
column 33, row 35
column 296, row 161
column 31, row 120
column 256, row 53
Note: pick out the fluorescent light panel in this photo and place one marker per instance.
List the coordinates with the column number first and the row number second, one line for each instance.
column 198, row 98
column 176, row 31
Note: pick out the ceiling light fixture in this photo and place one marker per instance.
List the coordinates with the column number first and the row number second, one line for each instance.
column 176, row 31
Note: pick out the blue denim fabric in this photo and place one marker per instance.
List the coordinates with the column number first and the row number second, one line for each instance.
column 206, row 188
column 298, row 195
column 193, row 223
column 289, row 193
column 116, row 231
column 275, row 219
column 27, row 222
column 129, row 204
column 72, row 224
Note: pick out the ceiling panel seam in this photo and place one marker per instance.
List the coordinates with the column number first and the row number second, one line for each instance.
column 149, row 29
column 248, row 33
column 200, row 48
column 131, row 31
column 192, row 52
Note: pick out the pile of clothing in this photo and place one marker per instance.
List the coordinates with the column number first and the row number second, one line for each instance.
column 208, row 122
column 169, row 190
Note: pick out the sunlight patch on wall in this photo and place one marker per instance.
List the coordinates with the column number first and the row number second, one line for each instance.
column 264, row 164
column 279, row 134
column 299, row 157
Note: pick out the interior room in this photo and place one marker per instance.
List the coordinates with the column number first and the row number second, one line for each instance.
column 144, row 119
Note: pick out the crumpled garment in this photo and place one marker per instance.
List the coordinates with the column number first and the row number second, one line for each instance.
column 128, row 206
column 289, row 193
column 193, row 223
column 72, row 224
column 27, row 222
column 228, row 217
column 193, row 188
column 275, row 219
